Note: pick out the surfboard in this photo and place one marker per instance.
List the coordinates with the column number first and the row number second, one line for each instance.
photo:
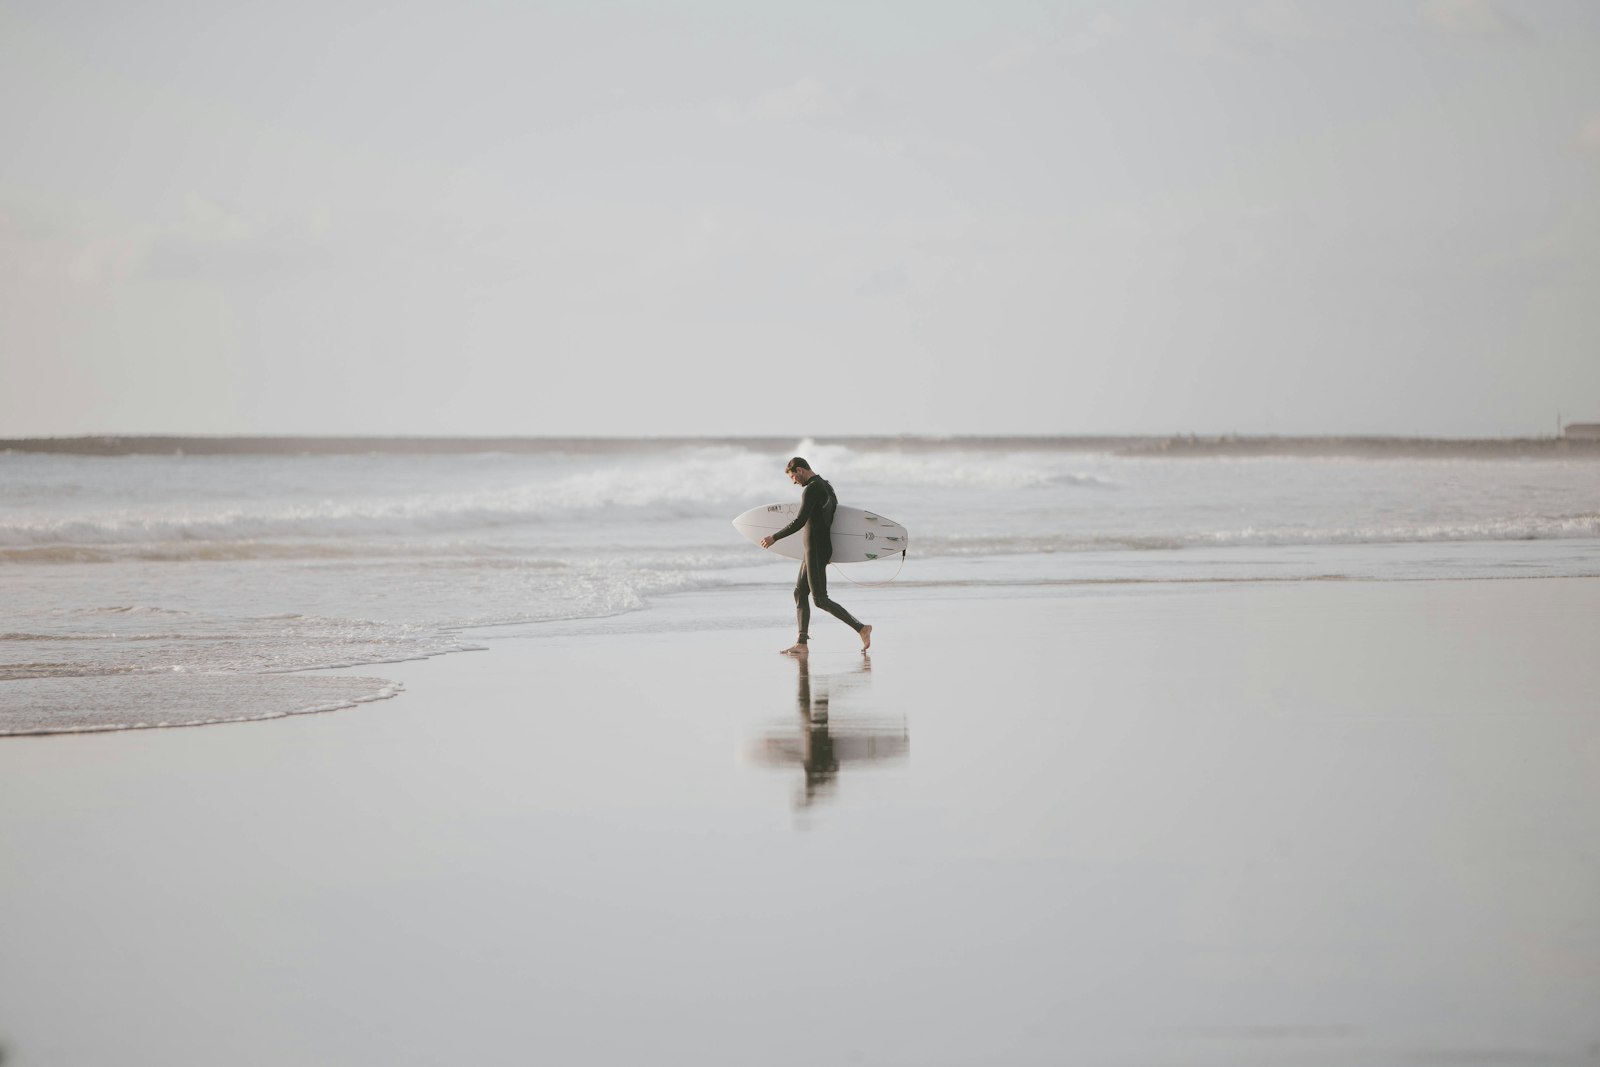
column 858, row 536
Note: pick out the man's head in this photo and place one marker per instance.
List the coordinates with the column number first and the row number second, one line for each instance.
column 799, row 471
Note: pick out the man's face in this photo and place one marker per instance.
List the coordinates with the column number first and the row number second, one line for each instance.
column 798, row 475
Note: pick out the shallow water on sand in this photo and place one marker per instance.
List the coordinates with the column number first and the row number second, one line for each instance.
column 1322, row 823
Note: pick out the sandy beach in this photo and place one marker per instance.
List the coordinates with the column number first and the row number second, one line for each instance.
column 1313, row 823
column 400, row 404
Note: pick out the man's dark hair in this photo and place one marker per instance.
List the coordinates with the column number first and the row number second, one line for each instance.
column 796, row 463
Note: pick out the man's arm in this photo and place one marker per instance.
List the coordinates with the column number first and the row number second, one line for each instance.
column 808, row 504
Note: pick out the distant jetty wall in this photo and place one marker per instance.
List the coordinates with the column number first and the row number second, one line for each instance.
column 1372, row 447
column 1578, row 442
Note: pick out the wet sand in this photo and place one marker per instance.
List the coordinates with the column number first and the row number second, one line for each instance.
column 1313, row 823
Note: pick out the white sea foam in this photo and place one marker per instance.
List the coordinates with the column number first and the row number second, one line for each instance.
column 147, row 566
column 85, row 704
column 680, row 484
column 1514, row 528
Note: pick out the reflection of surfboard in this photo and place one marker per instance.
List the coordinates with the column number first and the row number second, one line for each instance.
column 848, row 746
column 857, row 535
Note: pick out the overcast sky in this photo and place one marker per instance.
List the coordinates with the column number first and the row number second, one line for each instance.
column 1290, row 216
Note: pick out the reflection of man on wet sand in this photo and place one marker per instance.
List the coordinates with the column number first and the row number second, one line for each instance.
column 822, row 746
column 818, row 757
column 817, row 506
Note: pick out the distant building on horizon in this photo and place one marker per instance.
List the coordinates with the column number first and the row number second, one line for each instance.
column 1583, row 431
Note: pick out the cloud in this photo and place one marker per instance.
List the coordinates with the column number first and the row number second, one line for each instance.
column 808, row 99
column 38, row 244
column 1098, row 32
column 211, row 221
column 1094, row 33
column 1472, row 18
column 1187, row 35
column 1280, row 20
column 220, row 243
column 61, row 244
column 893, row 280
column 1589, row 136
column 1200, row 31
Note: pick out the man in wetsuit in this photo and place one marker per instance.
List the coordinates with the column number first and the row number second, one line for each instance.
column 817, row 505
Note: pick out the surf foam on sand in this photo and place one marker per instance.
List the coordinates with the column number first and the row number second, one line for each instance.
column 132, row 702
column 261, row 557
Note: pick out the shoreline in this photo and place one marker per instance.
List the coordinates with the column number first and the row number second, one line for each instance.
column 359, row 683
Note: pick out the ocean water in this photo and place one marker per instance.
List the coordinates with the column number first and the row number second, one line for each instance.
column 145, row 590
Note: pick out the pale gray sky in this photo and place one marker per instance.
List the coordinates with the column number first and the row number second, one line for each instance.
column 1263, row 216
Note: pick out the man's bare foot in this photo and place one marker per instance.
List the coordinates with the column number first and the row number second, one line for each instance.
column 866, row 638
column 796, row 650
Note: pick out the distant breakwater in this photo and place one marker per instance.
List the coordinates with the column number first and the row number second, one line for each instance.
column 1174, row 446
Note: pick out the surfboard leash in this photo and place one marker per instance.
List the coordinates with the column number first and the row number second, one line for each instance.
column 870, row 585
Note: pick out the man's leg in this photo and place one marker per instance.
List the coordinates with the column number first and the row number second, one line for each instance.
column 819, row 592
column 802, row 612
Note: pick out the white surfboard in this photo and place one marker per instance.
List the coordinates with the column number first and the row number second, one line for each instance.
column 858, row 535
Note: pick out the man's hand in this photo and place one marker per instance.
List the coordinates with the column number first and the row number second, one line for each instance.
column 766, row 542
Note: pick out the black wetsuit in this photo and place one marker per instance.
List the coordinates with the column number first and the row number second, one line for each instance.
column 817, row 505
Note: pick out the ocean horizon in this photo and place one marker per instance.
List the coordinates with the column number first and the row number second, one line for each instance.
column 1585, row 445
